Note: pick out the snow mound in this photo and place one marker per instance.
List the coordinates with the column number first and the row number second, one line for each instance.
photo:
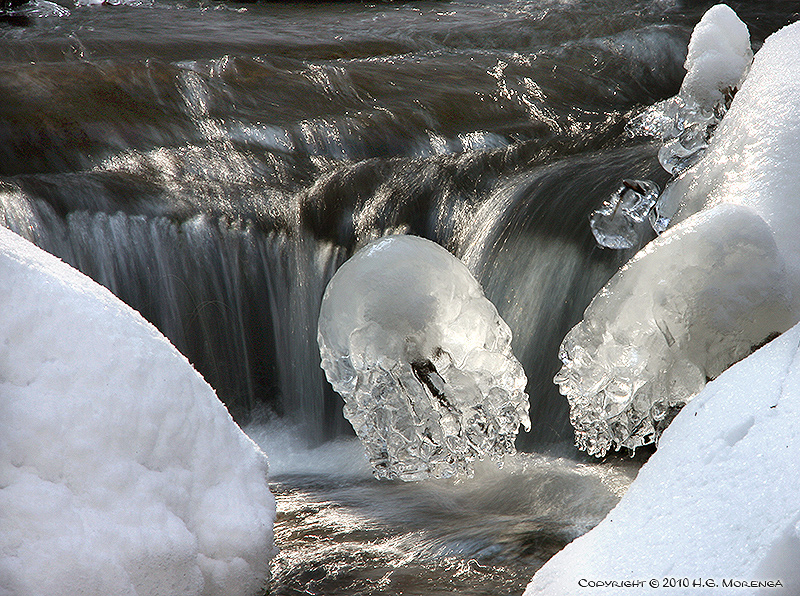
column 121, row 473
column 422, row 360
column 718, row 58
column 716, row 504
column 621, row 357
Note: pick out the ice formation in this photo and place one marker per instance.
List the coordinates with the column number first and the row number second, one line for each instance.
column 718, row 502
column 717, row 62
column 725, row 276
column 621, row 220
column 422, row 360
column 687, row 306
column 121, row 473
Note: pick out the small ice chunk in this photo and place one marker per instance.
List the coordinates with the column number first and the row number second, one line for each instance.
column 685, row 150
column 422, row 359
column 618, row 222
column 687, row 306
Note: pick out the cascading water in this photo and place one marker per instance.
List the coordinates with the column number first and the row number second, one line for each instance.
column 214, row 164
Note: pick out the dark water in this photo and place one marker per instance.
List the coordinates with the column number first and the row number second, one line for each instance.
column 213, row 163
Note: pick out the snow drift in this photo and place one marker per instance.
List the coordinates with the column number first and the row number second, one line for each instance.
column 698, row 299
column 121, row 473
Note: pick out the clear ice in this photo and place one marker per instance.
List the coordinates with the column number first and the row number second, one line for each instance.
column 621, row 221
column 422, row 359
column 718, row 60
column 694, row 301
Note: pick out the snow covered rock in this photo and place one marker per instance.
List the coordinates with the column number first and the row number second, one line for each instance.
column 422, row 360
column 121, row 473
column 716, row 504
column 621, row 367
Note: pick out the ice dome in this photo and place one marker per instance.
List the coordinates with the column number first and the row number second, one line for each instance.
column 422, row 360
column 121, row 473
column 692, row 302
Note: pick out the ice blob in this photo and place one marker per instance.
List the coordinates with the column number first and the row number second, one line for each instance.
column 422, row 359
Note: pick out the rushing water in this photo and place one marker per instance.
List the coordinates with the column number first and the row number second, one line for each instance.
column 214, row 163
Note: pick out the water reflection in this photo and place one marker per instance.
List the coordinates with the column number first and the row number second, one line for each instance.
column 342, row 532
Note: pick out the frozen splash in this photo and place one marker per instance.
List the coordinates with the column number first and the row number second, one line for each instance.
column 718, row 59
column 422, row 360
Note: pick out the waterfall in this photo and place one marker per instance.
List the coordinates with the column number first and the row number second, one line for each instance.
column 239, row 296
column 218, row 194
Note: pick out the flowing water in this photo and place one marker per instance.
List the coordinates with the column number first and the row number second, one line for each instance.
column 214, row 163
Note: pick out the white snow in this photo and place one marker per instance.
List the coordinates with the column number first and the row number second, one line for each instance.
column 422, row 360
column 719, row 499
column 718, row 57
column 121, row 473
column 623, row 347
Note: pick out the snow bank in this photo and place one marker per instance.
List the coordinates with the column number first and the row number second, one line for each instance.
column 753, row 162
column 422, row 360
column 718, row 502
column 121, row 473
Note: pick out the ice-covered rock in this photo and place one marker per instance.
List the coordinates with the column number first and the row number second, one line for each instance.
column 716, row 508
column 121, row 473
column 687, row 306
column 422, row 360
column 621, row 366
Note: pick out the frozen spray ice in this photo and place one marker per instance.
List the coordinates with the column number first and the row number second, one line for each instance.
column 422, row 359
